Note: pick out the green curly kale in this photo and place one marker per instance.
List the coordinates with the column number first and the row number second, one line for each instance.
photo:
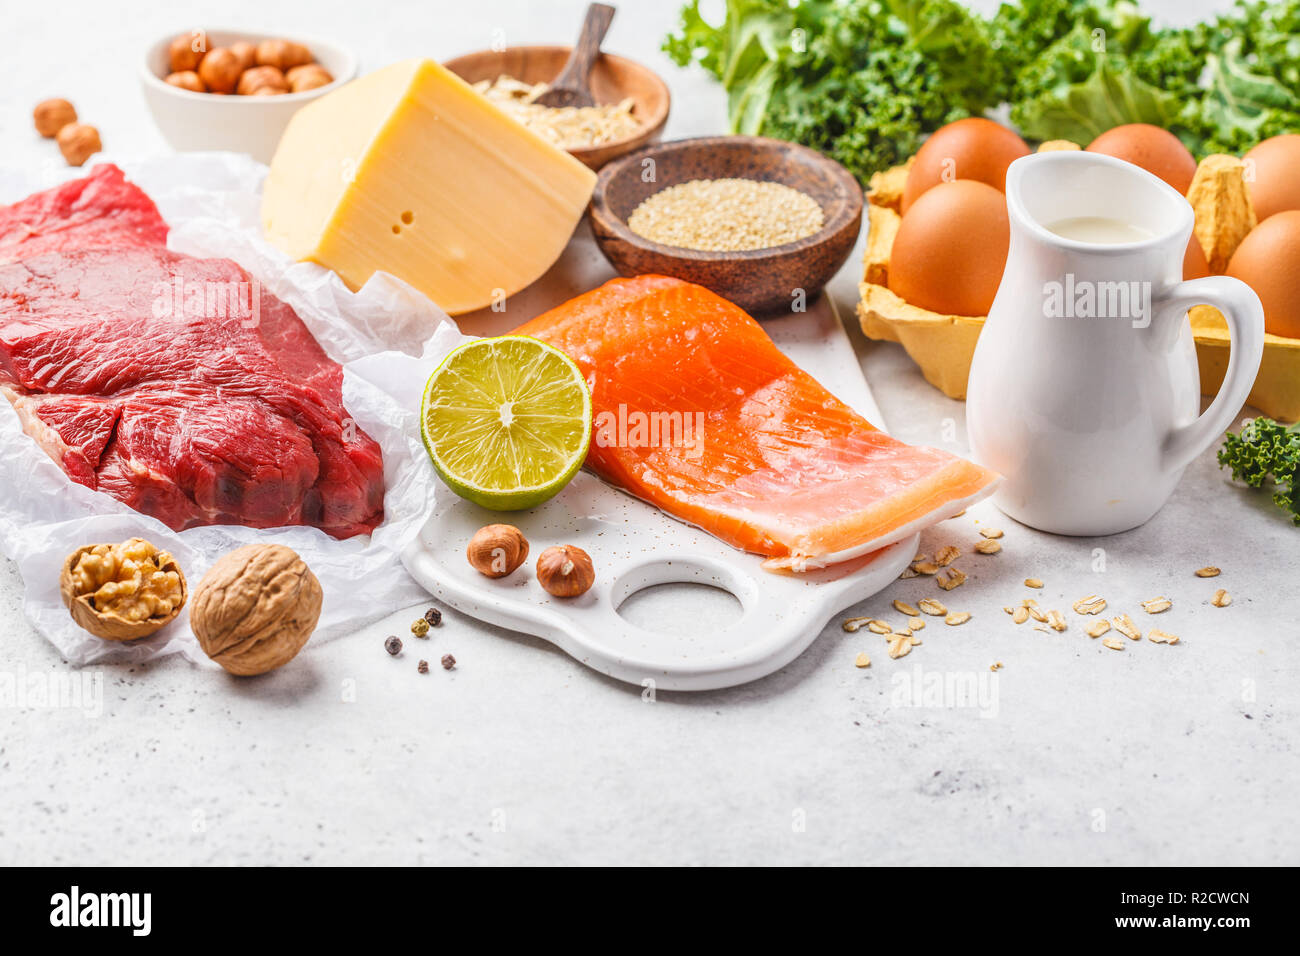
column 862, row 81
column 1265, row 451
column 865, row 80
column 1104, row 67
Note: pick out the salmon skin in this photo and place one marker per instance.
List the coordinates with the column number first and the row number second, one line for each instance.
column 697, row 412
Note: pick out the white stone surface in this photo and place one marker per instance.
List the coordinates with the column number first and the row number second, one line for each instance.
column 1180, row 755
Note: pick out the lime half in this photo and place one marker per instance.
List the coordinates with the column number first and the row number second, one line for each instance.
column 506, row 421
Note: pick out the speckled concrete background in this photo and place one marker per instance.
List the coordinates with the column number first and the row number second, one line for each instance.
column 1071, row 754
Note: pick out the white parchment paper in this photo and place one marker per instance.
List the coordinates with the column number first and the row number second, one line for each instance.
column 388, row 337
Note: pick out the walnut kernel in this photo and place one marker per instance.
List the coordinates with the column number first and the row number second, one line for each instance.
column 121, row 592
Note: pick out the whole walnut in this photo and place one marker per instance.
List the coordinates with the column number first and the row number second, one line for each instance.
column 255, row 608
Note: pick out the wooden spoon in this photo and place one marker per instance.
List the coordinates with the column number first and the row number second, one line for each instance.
column 573, row 86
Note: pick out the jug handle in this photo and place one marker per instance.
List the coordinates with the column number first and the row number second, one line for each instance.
column 1241, row 308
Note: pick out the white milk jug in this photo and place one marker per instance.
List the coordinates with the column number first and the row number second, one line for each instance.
column 1084, row 388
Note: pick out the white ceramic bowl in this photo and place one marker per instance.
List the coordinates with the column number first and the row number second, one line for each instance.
column 241, row 124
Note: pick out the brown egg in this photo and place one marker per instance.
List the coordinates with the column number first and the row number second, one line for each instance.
column 1195, row 265
column 1273, row 175
column 971, row 148
column 951, row 248
column 1156, row 150
column 1268, row 260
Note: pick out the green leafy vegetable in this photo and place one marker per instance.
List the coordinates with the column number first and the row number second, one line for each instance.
column 866, row 80
column 1244, row 104
column 861, row 80
column 1265, row 451
column 1087, row 86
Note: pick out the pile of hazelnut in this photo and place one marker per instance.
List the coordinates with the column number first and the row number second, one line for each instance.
column 57, row 120
column 268, row 68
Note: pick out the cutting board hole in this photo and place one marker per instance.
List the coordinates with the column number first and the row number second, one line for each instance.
column 681, row 608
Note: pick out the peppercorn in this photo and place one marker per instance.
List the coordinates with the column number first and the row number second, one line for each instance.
column 448, row 662
column 423, row 667
column 420, row 628
column 393, row 645
column 433, row 616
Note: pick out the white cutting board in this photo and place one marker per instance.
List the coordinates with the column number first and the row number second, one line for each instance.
column 634, row 545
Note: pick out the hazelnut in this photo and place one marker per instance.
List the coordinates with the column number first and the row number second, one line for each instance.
column 78, row 142
column 220, row 70
column 497, row 550
column 312, row 76
column 52, row 115
column 565, row 571
column 187, row 80
column 261, row 78
column 255, row 608
column 186, row 51
column 282, row 54
column 120, row 592
column 246, row 53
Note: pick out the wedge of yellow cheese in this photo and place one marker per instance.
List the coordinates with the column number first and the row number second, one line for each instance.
column 409, row 171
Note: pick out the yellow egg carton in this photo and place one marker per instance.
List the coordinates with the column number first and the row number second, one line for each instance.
column 943, row 345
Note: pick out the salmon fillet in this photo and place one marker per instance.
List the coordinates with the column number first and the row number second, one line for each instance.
column 697, row 412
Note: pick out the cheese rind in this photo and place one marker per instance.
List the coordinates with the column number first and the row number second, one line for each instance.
column 409, row 171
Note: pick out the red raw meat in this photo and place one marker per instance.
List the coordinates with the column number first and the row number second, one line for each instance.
column 101, row 210
column 196, row 415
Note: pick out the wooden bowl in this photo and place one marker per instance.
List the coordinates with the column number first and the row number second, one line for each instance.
column 758, row 280
column 613, row 79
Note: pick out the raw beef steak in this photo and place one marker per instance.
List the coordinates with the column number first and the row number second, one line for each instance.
column 101, row 210
column 172, row 383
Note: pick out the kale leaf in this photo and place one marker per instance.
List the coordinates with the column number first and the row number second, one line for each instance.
column 1264, row 451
